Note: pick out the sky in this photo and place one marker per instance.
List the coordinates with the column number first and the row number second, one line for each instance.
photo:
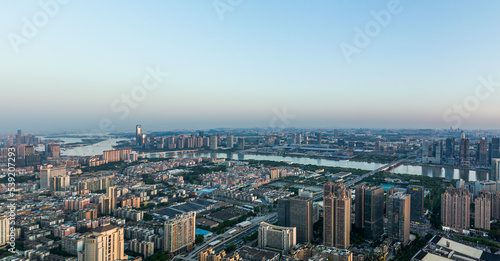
column 69, row 65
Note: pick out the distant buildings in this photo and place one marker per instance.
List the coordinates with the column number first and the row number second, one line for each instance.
column 482, row 152
column 117, row 155
column 47, row 173
column 213, row 142
column 417, row 202
column 105, row 244
column 398, row 225
column 179, row 233
column 455, row 208
column 337, row 216
column 138, row 136
column 241, row 143
column 432, row 152
column 276, row 238
column 297, row 212
column 59, row 183
column 96, row 183
column 494, row 149
column 229, row 141
column 464, row 151
column 495, row 164
column 52, row 151
column 495, row 205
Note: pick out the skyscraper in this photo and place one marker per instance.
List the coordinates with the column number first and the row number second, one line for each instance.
column 450, row 149
column 494, row 150
column 241, row 143
column 105, row 244
column 360, row 206
column 179, row 233
column 455, row 208
column 138, row 135
column 19, row 137
column 297, row 212
column 398, row 225
column 213, row 142
column 276, row 238
column 417, row 202
column 495, row 205
column 482, row 210
column 113, row 195
column 337, row 217
column 318, row 136
column 230, row 141
column 495, row 166
column 482, row 152
column 373, row 212
column 464, row 150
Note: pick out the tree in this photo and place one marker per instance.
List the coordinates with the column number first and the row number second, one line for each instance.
column 199, row 239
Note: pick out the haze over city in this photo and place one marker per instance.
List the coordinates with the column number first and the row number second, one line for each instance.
column 249, row 63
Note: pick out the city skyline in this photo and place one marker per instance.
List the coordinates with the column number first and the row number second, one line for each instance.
column 298, row 65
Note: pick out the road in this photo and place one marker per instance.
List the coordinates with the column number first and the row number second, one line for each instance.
column 228, row 240
column 383, row 168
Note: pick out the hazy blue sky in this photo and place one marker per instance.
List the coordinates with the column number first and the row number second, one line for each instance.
column 236, row 68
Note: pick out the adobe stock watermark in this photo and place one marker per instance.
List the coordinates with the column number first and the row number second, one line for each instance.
column 123, row 105
column 40, row 19
column 471, row 103
column 282, row 117
column 372, row 29
column 224, row 6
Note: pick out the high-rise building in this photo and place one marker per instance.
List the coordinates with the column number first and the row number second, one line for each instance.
column 52, row 150
column 455, row 208
column 19, row 137
column 105, row 244
column 276, row 238
column 297, row 212
column 337, row 217
column 59, row 183
column 450, row 148
column 373, row 212
column 464, row 150
column 111, row 155
column 398, row 225
column 482, row 210
column 241, row 143
column 179, row 233
column 318, row 137
column 494, row 151
column 230, row 141
column 113, row 196
column 417, row 202
column 495, row 165
column 482, row 152
column 360, row 206
column 495, row 205
column 4, row 230
column 213, row 142
column 47, row 172
column 138, row 136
